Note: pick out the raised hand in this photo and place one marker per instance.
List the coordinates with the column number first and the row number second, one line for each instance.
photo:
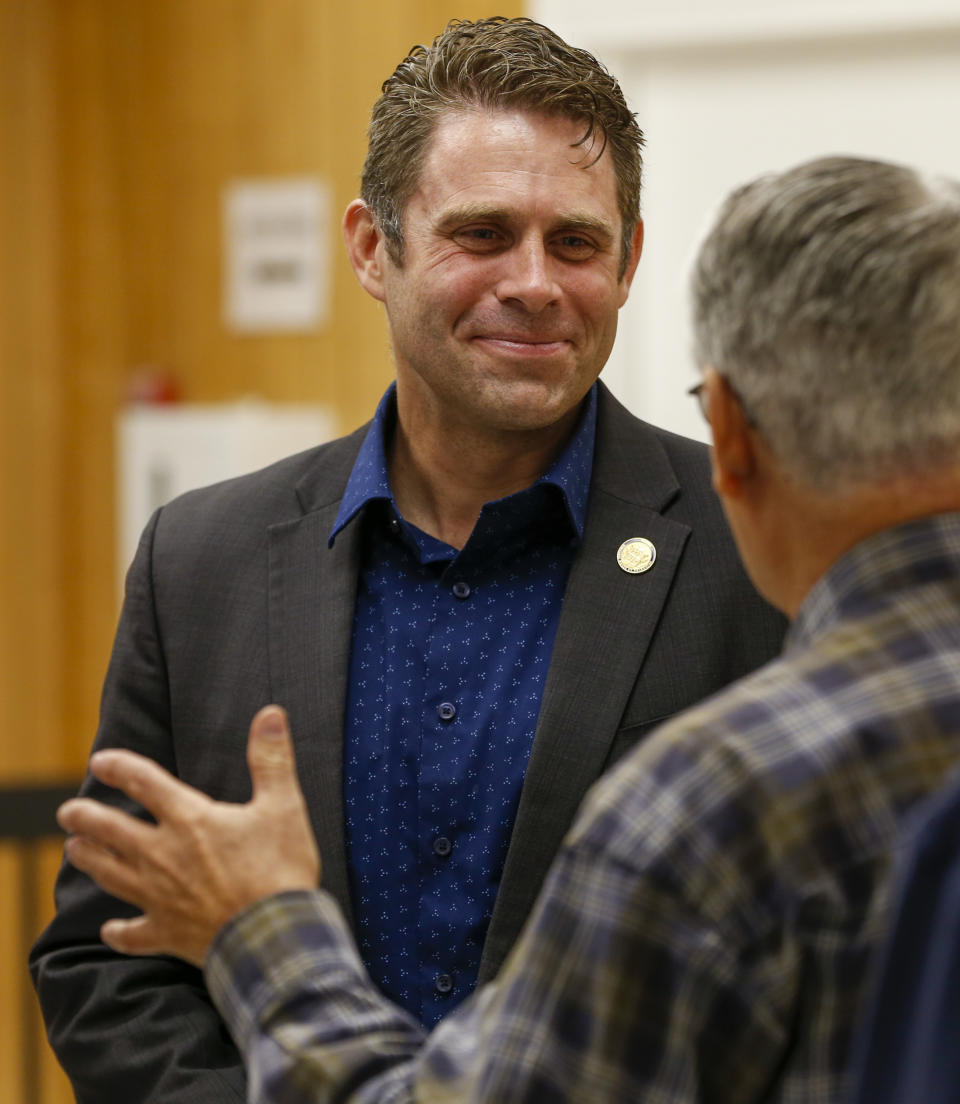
column 204, row 860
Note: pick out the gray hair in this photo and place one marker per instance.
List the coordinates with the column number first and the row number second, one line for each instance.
column 829, row 297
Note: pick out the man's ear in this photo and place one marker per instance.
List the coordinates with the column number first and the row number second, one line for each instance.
column 365, row 247
column 633, row 259
column 733, row 455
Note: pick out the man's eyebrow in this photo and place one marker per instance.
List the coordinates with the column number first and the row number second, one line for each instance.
column 483, row 212
column 471, row 212
column 599, row 227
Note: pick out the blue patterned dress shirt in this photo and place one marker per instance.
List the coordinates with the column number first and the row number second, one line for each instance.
column 449, row 657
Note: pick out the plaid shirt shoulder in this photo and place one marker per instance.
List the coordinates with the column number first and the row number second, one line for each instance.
column 707, row 929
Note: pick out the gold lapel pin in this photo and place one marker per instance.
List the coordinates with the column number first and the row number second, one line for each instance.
column 636, row 555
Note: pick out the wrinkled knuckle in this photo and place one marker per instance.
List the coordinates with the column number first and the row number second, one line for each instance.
column 192, row 824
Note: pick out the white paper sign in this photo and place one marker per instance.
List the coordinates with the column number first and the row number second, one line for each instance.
column 277, row 270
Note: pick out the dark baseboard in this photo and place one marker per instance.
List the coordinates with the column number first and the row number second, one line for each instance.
column 29, row 812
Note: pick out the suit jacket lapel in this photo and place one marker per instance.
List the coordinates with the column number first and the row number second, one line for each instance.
column 311, row 603
column 607, row 623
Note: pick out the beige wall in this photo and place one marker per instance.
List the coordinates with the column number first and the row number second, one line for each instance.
column 726, row 91
column 120, row 123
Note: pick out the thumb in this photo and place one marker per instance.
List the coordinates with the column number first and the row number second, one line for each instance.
column 270, row 753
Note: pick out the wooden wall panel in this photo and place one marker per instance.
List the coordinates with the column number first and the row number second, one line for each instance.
column 29, row 1072
column 101, row 286
column 167, row 103
column 31, row 401
column 12, row 1085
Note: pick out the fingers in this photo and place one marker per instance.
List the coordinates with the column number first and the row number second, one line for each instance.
column 143, row 780
column 104, row 826
column 270, row 755
column 136, row 936
column 111, row 872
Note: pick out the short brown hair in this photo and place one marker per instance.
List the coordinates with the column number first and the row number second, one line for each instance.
column 494, row 63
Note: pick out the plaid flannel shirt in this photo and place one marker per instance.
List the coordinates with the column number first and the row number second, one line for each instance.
column 706, row 932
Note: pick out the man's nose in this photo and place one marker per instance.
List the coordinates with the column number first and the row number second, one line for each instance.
column 528, row 277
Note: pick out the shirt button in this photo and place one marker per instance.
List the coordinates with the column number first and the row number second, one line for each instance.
column 447, row 711
column 461, row 589
column 442, row 846
column 443, row 983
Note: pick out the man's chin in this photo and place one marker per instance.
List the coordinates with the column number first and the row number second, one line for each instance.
column 526, row 407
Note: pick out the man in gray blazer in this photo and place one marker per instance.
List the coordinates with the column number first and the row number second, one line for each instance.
column 469, row 608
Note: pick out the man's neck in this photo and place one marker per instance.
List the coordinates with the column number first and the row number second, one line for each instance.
column 811, row 532
column 442, row 478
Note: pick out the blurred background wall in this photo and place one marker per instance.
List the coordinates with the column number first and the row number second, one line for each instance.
column 725, row 91
column 121, row 122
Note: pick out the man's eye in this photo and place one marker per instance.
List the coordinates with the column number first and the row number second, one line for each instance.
column 477, row 237
column 575, row 245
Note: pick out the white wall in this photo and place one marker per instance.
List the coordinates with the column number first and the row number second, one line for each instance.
column 727, row 91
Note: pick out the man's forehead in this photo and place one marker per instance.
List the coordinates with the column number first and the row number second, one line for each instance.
column 491, row 122
column 477, row 154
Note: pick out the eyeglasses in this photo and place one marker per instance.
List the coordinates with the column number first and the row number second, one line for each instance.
column 699, row 392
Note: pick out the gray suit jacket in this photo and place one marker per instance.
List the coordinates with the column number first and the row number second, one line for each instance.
column 234, row 600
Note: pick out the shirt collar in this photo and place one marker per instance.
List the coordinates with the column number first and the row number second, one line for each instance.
column 572, row 470
column 370, row 480
column 876, row 571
